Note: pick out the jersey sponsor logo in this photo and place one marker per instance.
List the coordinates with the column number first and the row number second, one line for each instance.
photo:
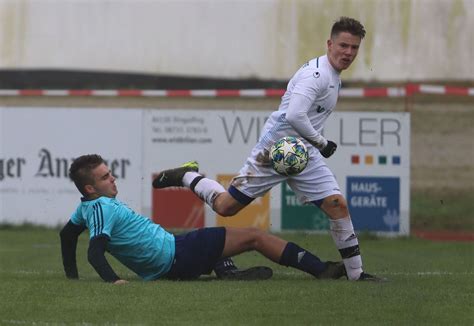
column 320, row 109
column 316, row 74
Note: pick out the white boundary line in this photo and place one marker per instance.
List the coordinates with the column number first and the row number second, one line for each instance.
column 290, row 272
column 383, row 273
column 56, row 323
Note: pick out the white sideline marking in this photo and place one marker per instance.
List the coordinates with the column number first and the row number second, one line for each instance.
column 34, row 245
column 29, row 272
column 290, row 272
column 25, row 322
column 434, row 273
column 428, row 273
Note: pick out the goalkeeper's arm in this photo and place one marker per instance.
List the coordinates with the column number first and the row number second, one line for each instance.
column 69, row 234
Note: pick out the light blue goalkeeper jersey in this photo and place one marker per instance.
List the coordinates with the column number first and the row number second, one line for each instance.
column 138, row 243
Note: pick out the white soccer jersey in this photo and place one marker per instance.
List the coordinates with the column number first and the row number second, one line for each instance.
column 317, row 81
column 317, row 84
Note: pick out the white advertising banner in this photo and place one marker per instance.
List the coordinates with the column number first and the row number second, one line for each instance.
column 37, row 146
column 371, row 163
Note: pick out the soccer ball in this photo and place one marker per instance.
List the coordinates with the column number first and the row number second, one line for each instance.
column 289, row 156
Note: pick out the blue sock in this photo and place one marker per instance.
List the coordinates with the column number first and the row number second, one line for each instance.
column 295, row 256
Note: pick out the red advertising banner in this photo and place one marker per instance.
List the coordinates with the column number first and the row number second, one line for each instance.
column 177, row 208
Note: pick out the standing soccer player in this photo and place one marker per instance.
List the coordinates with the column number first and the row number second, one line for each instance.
column 310, row 98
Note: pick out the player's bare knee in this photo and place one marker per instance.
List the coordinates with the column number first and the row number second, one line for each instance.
column 225, row 205
column 336, row 206
column 339, row 202
column 257, row 237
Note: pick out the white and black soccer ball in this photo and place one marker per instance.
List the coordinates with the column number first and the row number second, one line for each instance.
column 289, row 156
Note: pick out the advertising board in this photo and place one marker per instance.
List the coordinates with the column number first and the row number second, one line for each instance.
column 371, row 165
column 37, row 146
column 373, row 149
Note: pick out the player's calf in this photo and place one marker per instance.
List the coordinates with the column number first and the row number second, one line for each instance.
column 299, row 258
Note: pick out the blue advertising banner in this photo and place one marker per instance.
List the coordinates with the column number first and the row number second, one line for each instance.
column 374, row 203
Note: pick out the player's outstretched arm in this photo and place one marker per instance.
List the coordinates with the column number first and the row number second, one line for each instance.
column 96, row 257
column 69, row 234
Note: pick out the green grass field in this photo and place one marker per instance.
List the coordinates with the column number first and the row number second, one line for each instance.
column 431, row 283
column 442, row 210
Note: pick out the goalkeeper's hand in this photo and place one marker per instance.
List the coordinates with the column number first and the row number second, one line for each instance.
column 329, row 149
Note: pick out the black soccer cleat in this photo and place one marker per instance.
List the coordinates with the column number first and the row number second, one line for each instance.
column 174, row 177
column 333, row 271
column 258, row 273
column 366, row 277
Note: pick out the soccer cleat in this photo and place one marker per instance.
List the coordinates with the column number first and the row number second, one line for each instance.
column 258, row 273
column 366, row 277
column 334, row 270
column 174, row 177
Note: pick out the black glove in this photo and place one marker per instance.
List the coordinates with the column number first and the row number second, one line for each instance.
column 329, row 149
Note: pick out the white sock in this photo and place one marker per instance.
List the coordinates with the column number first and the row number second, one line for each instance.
column 189, row 177
column 206, row 189
column 342, row 232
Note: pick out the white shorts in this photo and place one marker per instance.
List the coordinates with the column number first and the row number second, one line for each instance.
column 316, row 182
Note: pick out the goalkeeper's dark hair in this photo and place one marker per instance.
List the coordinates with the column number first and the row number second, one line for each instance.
column 80, row 170
column 349, row 25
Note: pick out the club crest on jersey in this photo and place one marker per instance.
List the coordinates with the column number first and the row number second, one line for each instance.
column 316, row 74
column 320, row 109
